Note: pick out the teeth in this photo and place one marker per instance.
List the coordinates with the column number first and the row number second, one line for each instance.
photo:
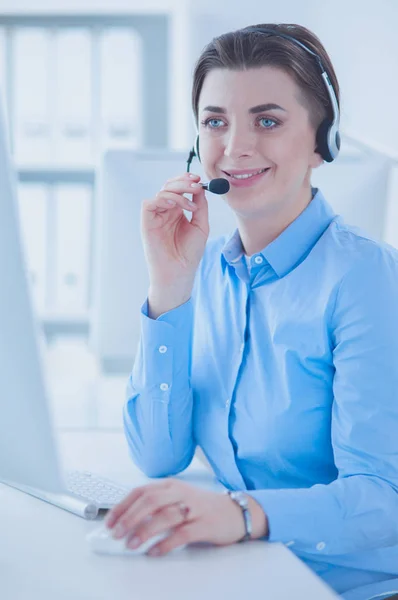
column 247, row 176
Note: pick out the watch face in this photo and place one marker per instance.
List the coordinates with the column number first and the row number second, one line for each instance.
column 240, row 498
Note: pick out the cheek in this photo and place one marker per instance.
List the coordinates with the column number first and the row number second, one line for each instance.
column 287, row 149
column 282, row 151
column 211, row 153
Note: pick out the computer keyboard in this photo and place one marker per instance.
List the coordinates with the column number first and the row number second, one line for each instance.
column 98, row 490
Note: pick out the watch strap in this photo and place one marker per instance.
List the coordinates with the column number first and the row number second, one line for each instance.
column 243, row 505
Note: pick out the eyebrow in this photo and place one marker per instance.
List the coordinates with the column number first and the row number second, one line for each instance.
column 254, row 110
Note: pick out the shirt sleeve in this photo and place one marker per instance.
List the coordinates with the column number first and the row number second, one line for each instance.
column 157, row 415
column 358, row 511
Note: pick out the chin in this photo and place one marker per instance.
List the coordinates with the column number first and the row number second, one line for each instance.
column 251, row 203
column 251, row 195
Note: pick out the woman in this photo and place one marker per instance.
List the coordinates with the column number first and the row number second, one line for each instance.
column 275, row 351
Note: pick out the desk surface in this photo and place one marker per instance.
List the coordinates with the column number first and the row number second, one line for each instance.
column 44, row 555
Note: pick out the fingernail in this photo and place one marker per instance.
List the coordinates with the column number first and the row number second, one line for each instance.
column 192, row 175
column 195, row 185
column 171, row 202
column 119, row 531
column 134, row 542
column 153, row 552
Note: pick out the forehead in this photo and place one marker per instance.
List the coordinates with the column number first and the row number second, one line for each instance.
column 224, row 87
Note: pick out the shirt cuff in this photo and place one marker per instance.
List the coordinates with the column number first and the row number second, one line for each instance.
column 163, row 358
column 296, row 517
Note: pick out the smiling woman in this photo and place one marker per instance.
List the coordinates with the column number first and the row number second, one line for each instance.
column 268, row 139
column 273, row 149
column 275, row 349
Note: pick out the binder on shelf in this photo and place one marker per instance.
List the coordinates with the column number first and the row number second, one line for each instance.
column 32, row 125
column 32, row 204
column 72, row 251
column 73, row 92
column 2, row 59
column 121, row 88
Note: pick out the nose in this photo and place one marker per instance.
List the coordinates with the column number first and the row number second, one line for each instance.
column 239, row 142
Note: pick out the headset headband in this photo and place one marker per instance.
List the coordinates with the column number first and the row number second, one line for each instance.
column 325, row 76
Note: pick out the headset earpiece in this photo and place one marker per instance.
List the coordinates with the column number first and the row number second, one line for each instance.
column 327, row 140
column 322, row 140
column 196, row 148
column 192, row 153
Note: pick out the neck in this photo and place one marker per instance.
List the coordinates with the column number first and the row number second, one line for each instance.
column 258, row 230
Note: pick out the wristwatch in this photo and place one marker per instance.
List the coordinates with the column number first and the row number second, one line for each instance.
column 241, row 500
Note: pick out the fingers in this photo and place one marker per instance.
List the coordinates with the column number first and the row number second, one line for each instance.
column 163, row 520
column 200, row 217
column 184, row 177
column 171, row 194
column 143, row 508
column 139, row 505
column 186, row 533
column 183, row 186
column 117, row 511
column 167, row 199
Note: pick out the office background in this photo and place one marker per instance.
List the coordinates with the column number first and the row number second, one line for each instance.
column 79, row 78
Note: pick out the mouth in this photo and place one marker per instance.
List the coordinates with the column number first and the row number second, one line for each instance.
column 246, row 178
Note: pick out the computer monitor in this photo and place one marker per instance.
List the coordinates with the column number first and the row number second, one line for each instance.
column 28, row 452
column 29, row 457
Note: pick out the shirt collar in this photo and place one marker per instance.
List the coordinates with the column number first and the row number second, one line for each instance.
column 293, row 244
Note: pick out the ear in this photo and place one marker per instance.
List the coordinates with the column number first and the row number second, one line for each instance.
column 316, row 160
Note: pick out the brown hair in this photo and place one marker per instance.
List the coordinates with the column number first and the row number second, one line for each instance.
column 245, row 49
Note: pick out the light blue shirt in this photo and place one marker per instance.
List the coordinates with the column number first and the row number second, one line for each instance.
column 287, row 378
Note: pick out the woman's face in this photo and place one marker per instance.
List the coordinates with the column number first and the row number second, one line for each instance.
column 251, row 121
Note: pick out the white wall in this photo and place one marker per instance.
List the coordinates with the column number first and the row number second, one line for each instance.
column 86, row 7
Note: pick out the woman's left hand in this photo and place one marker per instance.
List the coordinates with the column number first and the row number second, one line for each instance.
column 192, row 515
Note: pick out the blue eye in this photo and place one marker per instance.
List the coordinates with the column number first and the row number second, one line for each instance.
column 209, row 121
column 269, row 121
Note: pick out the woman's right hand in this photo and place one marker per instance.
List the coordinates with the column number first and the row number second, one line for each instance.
column 173, row 245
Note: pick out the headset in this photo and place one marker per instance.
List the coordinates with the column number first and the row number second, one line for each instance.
column 328, row 139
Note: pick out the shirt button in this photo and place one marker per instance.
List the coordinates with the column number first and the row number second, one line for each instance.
column 258, row 260
column 289, row 543
column 162, row 349
column 321, row 546
column 228, row 402
column 164, row 387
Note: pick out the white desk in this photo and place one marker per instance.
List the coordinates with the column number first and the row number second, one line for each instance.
column 43, row 553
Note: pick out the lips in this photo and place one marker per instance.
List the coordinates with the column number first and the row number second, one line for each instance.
column 247, row 177
column 242, row 174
